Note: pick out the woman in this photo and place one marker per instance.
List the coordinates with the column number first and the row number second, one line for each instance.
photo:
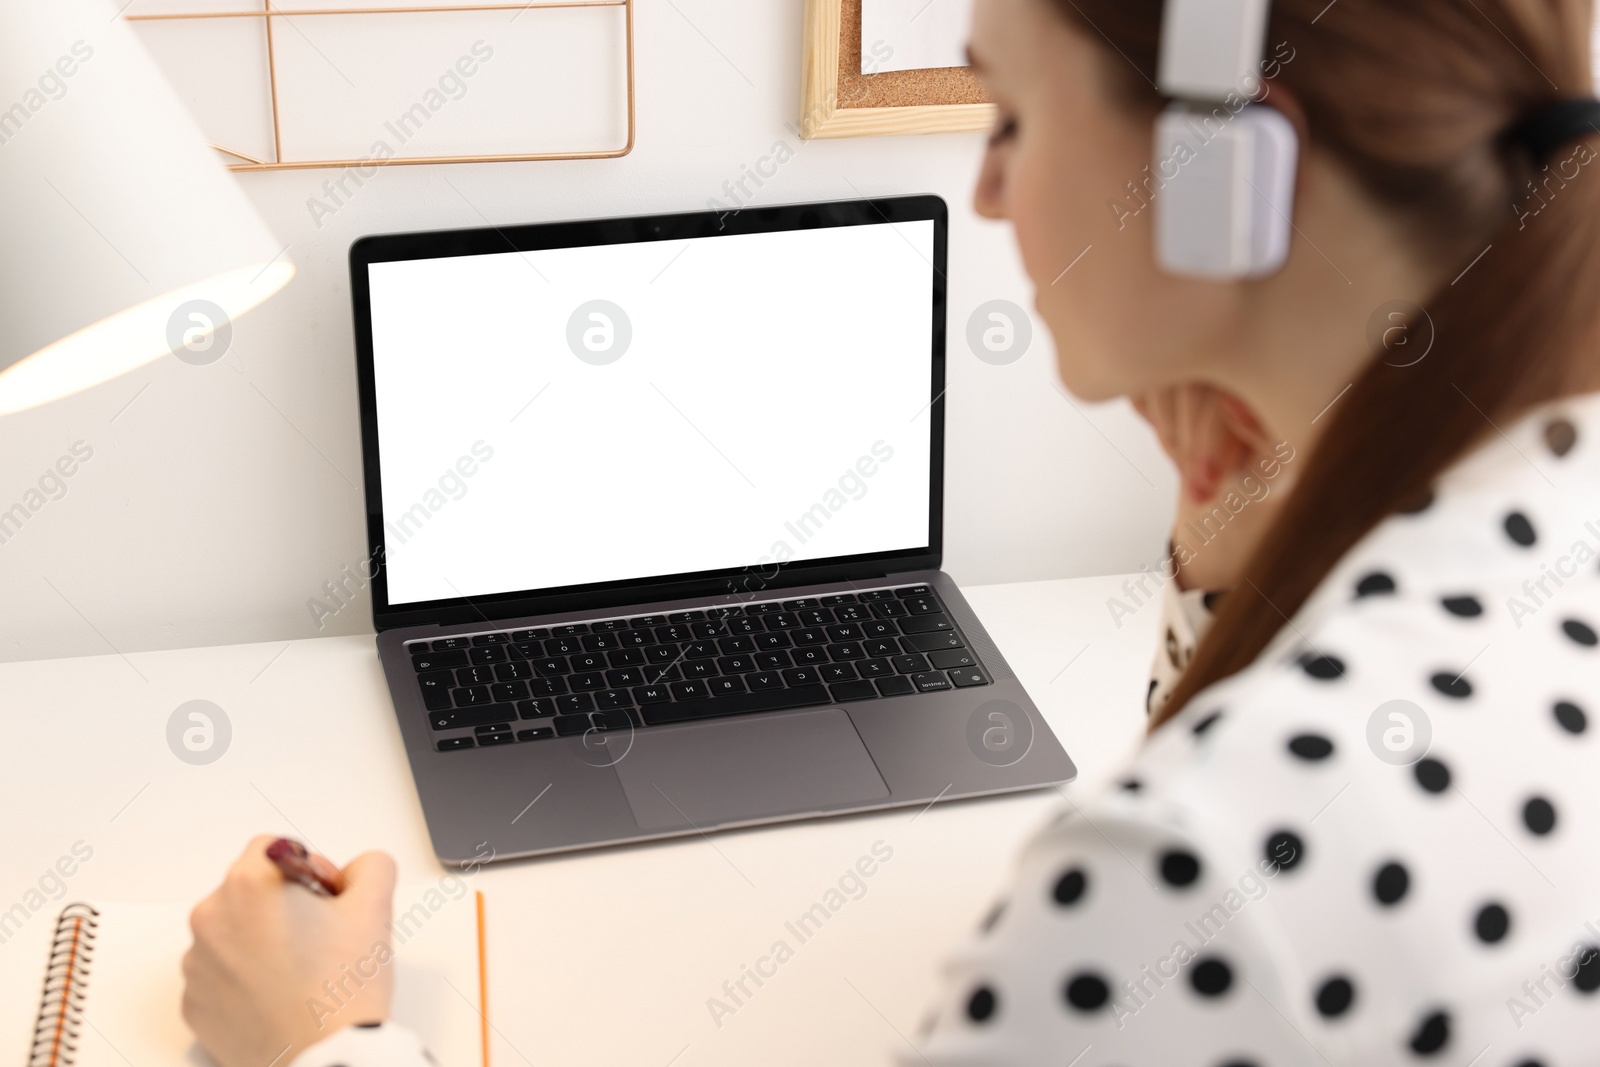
column 1354, row 836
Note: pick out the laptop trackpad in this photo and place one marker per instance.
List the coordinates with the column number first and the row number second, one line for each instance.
column 754, row 767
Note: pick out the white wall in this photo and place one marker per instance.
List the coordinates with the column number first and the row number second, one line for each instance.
column 220, row 498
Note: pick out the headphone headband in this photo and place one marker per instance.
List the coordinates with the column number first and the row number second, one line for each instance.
column 1211, row 48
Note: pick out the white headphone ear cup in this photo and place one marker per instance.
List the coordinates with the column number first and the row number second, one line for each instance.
column 1224, row 191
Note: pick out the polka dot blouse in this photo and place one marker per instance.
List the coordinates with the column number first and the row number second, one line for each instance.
column 1380, row 844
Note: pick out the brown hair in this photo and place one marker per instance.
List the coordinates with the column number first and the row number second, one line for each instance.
column 1413, row 99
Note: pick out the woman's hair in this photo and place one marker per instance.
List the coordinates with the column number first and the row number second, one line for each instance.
column 1413, row 99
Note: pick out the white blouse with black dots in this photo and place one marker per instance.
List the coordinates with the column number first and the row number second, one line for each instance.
column 1379, row 844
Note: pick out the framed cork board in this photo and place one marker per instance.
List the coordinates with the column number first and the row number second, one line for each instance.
column 837, row 100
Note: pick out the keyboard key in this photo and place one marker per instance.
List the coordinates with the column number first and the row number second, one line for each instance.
column 966, row 676
column 883, row 646
column 513, row 672
column 763, row 609
column 910, row 663
column 687, row 690
column 913, row 590
column 470, row 697
column 538, row 708
column 958, row 657
column 811, row 635
column 736, row 664
column 687, row 616
column 545, row 668
column 655, row 674
column 844, row 632
column 745, row 625
column 769, row 642
column 491, row 639
column 570, row 725
column 875, row 668
column 487, row 654
column 636, row 638
column 721, row 687
column 849, row 650
column 444, row 644
column 929, row 682
column 623, row 677
column 600, row 642
column 674, row 634
column 529, row 635
column 878, row 594
column 474, row 675
column 462, row 717
column 437, row 699
column 734, row 645
column 707, row 630
column 451, row 743
column 588, row 661
column 570, row 630
column 537, row 733
column 879, row 628
column 725, row 611
column 784, row 620
column 802, row 676
column 889, row 609
column 527, row 649
column 574, row 703
column 837, row 672
column 609, row 626
column 503, row 692
column 563, row 646
column 763, row 680
column 647, row 620
column 852, row 613
column 661, row 654
column 652, row 694
column 626, row 657
column 804, row 602
column 506, row 738
column 816, row 654
column 437, row 661
column 700, row 650
column 837, row 599
column 616, row 719
column 434, row 681
column 547, row 687
column 898, row 686
column 922, row 624
column 613, row 699
column 931, row 642
column 816, row 617
column 699, row 668
column 773, row 661
column 921, row 605
column 853, row 691
column 739, row 704
column 586, row 683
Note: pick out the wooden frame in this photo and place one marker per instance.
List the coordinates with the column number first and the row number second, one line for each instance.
column 823, row 113
column 268, row 13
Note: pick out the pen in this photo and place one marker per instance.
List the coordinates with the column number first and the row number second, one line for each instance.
column 298, row 864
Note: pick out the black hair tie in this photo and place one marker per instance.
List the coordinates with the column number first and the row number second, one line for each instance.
column 1554, row 125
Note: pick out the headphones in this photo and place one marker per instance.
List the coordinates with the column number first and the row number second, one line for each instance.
column 1224, row 167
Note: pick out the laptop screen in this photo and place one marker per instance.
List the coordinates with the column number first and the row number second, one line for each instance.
column 652, row 408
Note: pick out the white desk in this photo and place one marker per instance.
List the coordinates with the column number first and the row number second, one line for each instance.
column 647, row 933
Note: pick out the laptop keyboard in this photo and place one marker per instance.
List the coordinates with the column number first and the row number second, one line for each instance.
column 652, row 670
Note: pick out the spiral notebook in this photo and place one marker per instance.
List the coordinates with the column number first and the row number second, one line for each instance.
column 113, row 987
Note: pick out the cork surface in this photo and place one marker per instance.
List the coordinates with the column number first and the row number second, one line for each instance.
column 896, row 88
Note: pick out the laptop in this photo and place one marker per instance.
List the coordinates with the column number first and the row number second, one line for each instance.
column 655, row 511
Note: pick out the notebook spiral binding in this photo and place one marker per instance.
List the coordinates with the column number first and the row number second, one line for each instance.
column 66, row 980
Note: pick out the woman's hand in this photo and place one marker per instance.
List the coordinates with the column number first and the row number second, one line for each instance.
column 276, row 968
column 1216, row 442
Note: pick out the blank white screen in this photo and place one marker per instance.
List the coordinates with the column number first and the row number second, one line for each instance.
column 771, row 405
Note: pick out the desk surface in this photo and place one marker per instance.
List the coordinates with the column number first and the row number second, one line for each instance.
column 625, row 978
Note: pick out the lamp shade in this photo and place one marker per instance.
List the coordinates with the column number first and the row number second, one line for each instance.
column 123, row 237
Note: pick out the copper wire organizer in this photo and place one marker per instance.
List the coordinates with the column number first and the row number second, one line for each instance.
column 269, row 13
